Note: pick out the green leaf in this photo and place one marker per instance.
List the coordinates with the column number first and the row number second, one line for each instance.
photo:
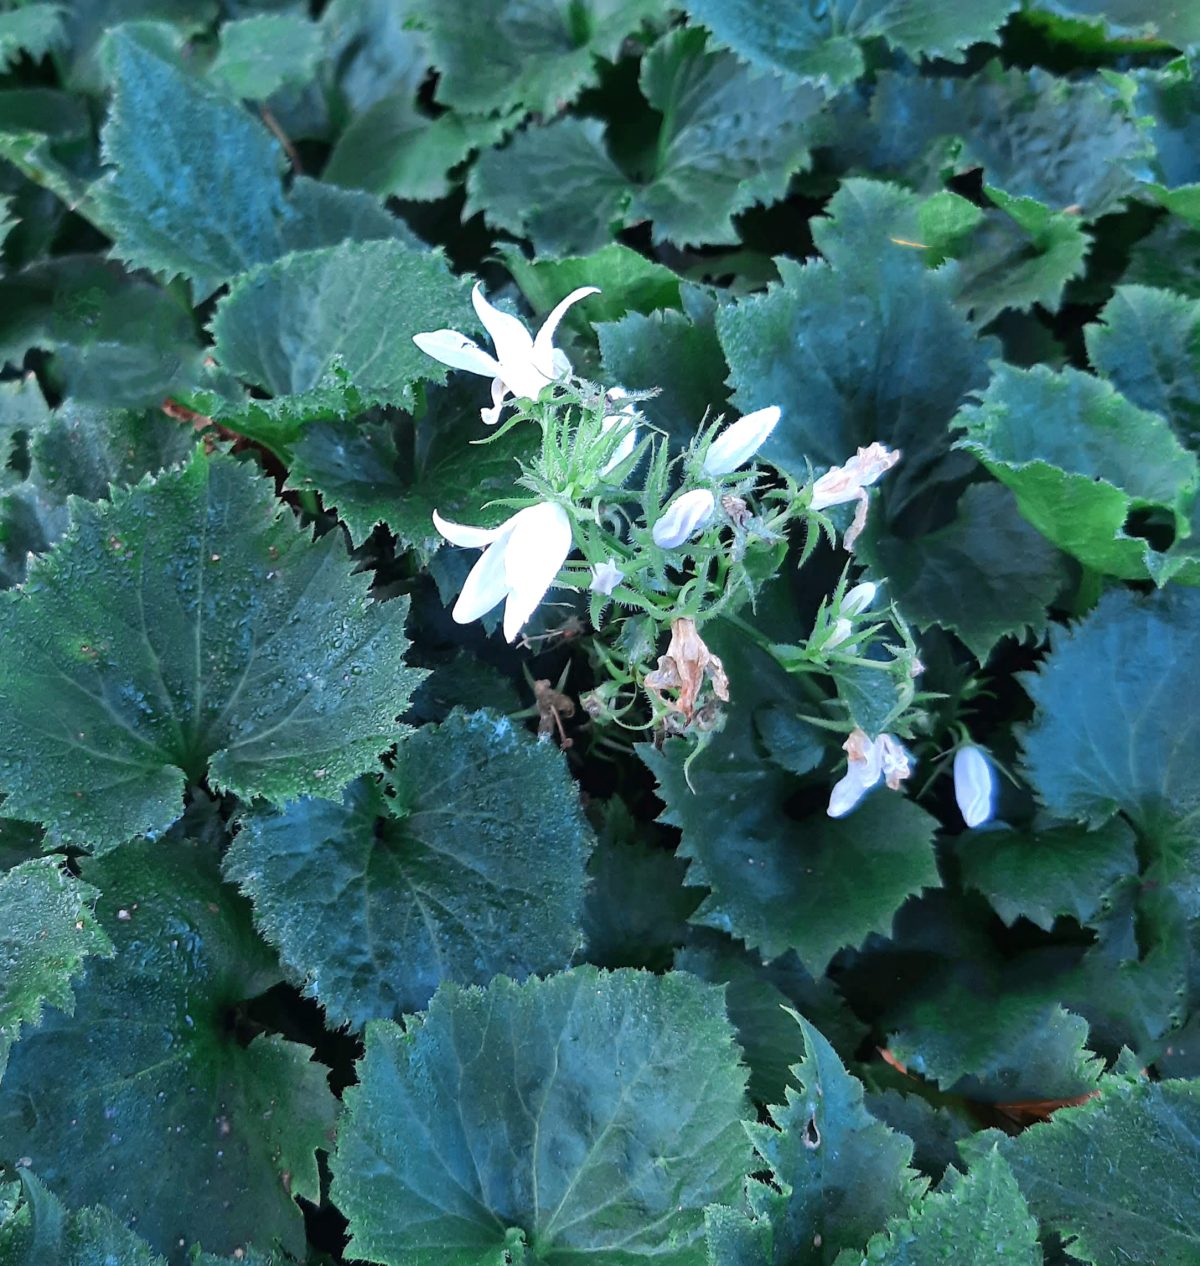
column 34, row 29
column 1078, row 481
column 825, row 344
column 588, row 1113
column 980, row 1219
column 42, row 1232
column 556, row 185
column 399, row 471
column 538, row 56
column 678, row 352
column 161, row 642
column 1176, row 22
column 1107, row 1176
column 397, row 150
column 814, row 886
column 934, row 1129
column 196, row 182
column 115, row 339
column 985, row 576
column 172, row 1122
column 1147, row 344
column 283, row 326
column 1045, row 875
column 48, row 931
column 474, row 872
column 840, row 1173
column 1167, row 258
column 821, row 43
column 731, row 138
column 261, row 54
column 993, row 1048
column 376, row 48
column 1109, row 732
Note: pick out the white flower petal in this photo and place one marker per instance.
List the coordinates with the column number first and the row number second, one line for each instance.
column 544, row 356
column 512, row 340
column 457, row 351
column 467, row 536
column 627, row 418
column 859, row 599
column 974, row 786
column 684, row 516
column 848, row 791
column 533, row 555
column 485, row 588
column 739, row 442
column 499, row 395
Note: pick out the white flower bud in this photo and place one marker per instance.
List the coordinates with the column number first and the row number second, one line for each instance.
column 974, row 786
column 739, row 442
column 841, row 631
column 859, row 599
column 606, row 576
column 686, row 515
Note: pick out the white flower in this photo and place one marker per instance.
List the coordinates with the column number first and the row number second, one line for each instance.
column 521, row 559
column 685, row 515
column 845, row 483
column 606, row 576
column 523, row 363
column 626, row 418
column 868, row 762
column 974, row 786
column 859, row 599
column 841, row 631
column 739, row 442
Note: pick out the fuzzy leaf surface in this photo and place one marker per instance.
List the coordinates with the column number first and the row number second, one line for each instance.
column 591, row 1114
column 162, row 641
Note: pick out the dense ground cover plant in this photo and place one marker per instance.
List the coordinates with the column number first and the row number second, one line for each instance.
column 601, row 632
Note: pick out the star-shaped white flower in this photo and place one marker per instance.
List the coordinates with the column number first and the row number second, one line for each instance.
column 524, row 363
column 519, row 562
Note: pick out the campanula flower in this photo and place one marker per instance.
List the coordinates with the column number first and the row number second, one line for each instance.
column 850, row 482
column 974, row 785
column 739, row 441
column 859, row 599
column 519, row 562
column 606, row 576
column 686, row 515
column 868, row 761
column 523, row 363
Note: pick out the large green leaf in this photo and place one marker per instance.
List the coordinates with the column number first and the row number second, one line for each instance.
column 1113, row 729
column 1176, row 21
column 1116, row 1177
column 814, row 885
column 537, row 55
column 1147, row 344
column 839, row 1174
column 826, row 346
column 1079, row 480
column 821, row 42
column 980, row 1219
column 48, row 931
column 475, row 871
column 399, row 471
column 985, row 576
column 1042, row 875
column 283, row 327
column 588, row 1114
column 172, row 1122
column 188, row 629
column 196, row 182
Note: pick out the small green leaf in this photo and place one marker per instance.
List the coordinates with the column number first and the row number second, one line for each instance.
column 34, row 29
column 48, row 931
column 815, row 886
column 1114, row 1177
column 283, row 326
column 1078, row 481
column 1147, row 344
column 821, row 43
column 266, row 52
column 539, row 56
column 586, row 1114
column 980, row 1219
column 474, row 872
column 985, row 576
column 164, row 1092
column 1045, row 875
column 1111, row 727
column 161, row 642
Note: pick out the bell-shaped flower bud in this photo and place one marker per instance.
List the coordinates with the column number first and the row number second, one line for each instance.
column 738, row 443
column 974, row 786
column 685, row 516
column 859, row 599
